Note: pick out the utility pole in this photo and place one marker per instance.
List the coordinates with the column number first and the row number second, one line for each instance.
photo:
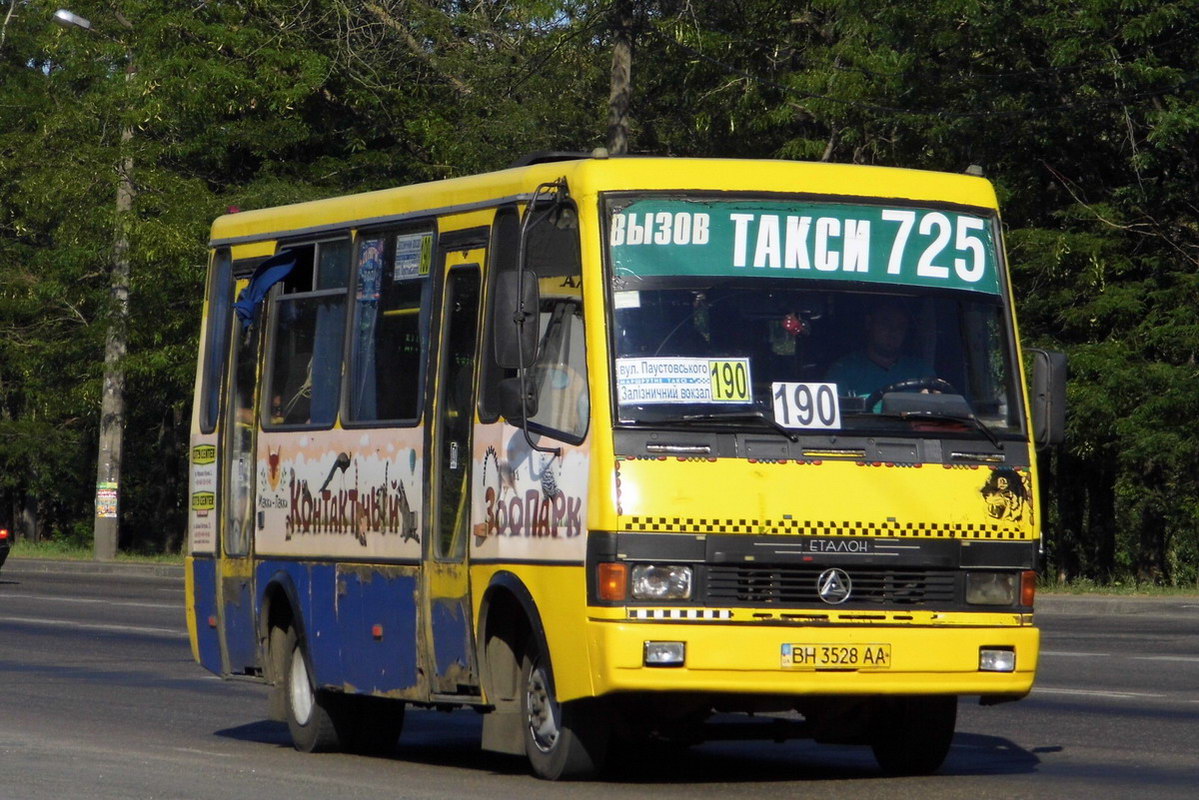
column 112, row 400
column 622, row 73
column 106, row 529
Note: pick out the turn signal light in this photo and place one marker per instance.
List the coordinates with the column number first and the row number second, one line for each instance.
column 1028, row 587
column 613, row 579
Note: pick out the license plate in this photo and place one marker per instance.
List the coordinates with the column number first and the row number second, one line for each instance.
column 836, row 656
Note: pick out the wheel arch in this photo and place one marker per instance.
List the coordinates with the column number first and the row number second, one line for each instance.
column 508, row 612
column 281, row 608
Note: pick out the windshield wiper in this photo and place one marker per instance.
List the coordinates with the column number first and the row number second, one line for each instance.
column 942, row 416
column 738, row 416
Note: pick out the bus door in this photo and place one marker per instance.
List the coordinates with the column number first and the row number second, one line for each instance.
column 235, row 589
column 447, row 600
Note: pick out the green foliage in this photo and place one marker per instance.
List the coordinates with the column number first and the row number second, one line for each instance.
column 1085, row 115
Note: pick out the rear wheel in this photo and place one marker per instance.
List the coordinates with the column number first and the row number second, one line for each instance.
column 912, row 735
column 308, row 711
column 564, row 741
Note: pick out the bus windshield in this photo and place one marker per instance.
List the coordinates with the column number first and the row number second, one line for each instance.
column 811, row 316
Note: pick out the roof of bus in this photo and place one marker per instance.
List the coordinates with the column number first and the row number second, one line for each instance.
column 588, row 176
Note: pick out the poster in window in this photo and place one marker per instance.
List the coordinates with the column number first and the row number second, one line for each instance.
column 414, row 254
column 370, row 269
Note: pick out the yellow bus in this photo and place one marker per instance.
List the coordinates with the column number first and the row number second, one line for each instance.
column 611, row 448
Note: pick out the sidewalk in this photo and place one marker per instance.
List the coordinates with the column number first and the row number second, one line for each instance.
column 17, row 565
column 1047, row 603
column 1104, row 604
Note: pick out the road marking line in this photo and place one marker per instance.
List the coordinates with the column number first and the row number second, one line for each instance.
column 1096, row 693
column 212, row 753
column 1069, row 654
column 89, row 601
column 95, row 626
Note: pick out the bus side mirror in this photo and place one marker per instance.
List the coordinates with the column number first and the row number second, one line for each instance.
column 516, row 319
column 1048, row 397
column 517, row 400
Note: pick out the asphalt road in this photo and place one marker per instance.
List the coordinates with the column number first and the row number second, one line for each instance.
column 99, row 698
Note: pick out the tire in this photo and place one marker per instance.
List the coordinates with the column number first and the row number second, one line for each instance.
column 912, row 735
column 308, row 711
column 369, row 726
column 563, row 741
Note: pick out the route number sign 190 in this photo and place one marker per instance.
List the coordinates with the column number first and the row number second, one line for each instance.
column 806, row 405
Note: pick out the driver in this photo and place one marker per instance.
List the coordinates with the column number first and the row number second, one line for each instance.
column 883, row 360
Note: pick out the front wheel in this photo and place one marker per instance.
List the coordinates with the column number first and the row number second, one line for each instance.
column 912, row 735
column 308, row 711
column 563, row 741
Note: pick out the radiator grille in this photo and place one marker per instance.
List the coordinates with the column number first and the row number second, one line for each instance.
column 776, row 585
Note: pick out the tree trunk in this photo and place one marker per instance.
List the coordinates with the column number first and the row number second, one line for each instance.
column 622, row 71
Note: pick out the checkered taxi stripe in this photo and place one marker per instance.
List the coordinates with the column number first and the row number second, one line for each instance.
column 924, row 530
column 680, row 613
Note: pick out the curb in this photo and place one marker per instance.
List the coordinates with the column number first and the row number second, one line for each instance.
column 52, row 566
column 1103, row 605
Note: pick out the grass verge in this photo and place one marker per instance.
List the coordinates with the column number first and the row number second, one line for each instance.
column 1123, row 588
column 64, row 552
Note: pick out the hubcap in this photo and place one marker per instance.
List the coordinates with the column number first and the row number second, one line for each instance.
column 543, row 711
column 301, row 689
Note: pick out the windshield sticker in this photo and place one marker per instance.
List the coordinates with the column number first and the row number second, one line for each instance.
column 650, row 381
column 414, row 253
column 792, row 239
column 627, row 300
column 806, row 405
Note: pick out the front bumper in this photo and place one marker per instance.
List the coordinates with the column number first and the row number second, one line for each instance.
column 744, row 658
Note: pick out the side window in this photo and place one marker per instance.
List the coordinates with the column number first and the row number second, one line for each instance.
column 505, row 244
column 559, row 378
column 306, row 346
column 216, row 340
column 389, row 335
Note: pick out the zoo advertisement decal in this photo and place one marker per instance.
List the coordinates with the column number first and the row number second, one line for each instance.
column 527, row 503
column 353, row 494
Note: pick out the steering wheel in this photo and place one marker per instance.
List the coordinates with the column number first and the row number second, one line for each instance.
column 911, row 385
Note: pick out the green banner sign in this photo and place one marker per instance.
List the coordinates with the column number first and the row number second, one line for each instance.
column 792, row 239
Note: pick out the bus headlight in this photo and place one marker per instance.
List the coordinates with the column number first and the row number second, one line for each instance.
column 655, row 582
column 992, row 588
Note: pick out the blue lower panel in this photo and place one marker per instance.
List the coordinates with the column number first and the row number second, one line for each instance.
column 312, row 587
column 339, row 609
column 241, row 638
column 451, row 635
column 377, row 614
column 204, row 589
